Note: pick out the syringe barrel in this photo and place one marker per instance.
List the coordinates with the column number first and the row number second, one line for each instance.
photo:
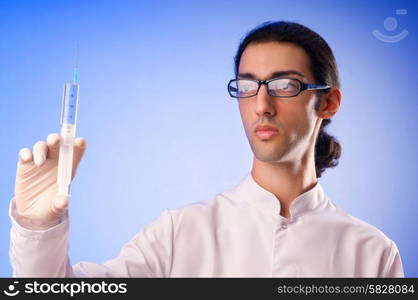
column 68, row 128
column 69, row 103
column 65, row 159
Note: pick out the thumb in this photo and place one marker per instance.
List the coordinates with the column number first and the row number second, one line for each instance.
column 80, row 146
column 60, row 204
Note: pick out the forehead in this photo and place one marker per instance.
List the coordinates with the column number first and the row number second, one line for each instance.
column 266, row 58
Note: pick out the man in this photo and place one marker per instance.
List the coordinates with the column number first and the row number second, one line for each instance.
column 277, row 222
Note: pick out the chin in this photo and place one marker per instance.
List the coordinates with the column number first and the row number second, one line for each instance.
column 268, row 150
column 268, row 155
column 269, row 159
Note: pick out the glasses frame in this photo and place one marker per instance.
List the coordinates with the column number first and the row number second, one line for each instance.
column 303, row 86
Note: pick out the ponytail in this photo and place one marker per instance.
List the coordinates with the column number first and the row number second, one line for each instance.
column 327, row 150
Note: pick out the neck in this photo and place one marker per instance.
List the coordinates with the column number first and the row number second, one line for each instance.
column 286, row 180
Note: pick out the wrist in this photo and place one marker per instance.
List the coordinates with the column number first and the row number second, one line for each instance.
column 33, row 224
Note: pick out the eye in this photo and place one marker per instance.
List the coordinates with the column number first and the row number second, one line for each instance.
column 286, row 87
column 245, row 86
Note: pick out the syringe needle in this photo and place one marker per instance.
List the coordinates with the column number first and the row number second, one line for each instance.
column 75, row 75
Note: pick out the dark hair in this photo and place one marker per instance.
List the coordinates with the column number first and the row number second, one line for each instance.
column 322, row 65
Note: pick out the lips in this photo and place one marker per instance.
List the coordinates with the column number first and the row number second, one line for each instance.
column 266, row 134
column 266, row 131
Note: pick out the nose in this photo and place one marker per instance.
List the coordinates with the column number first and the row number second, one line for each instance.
column 264, row 102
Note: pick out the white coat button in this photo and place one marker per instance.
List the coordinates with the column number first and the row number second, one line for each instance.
column 284, row 225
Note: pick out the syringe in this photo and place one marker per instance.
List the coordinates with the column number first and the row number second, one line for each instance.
column 68, row 126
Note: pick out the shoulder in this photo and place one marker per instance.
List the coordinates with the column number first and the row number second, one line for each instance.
column 366, row 243
column 354, row 230
column 221, row 202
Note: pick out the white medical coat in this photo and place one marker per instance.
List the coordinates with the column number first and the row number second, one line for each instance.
column 237, row 233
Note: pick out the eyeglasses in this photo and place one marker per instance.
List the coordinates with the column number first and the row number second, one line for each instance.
column 276, row 87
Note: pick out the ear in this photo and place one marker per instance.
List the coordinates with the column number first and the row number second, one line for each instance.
column 330, row 103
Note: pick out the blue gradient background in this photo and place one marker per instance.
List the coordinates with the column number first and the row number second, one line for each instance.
column 161, row 129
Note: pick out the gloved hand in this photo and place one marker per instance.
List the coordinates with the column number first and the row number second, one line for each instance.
column 38, row 206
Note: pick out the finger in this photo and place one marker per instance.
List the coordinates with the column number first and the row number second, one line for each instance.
column 40, row 150
column 53, row 142
column 80, row 146
column 60, row 204
column 25, row 156
column 25, row 162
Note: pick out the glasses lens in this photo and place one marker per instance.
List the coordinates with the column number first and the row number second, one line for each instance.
column 243, row 88
column 284, row 87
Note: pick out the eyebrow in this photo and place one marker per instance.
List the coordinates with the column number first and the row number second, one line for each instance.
column 272, row 75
